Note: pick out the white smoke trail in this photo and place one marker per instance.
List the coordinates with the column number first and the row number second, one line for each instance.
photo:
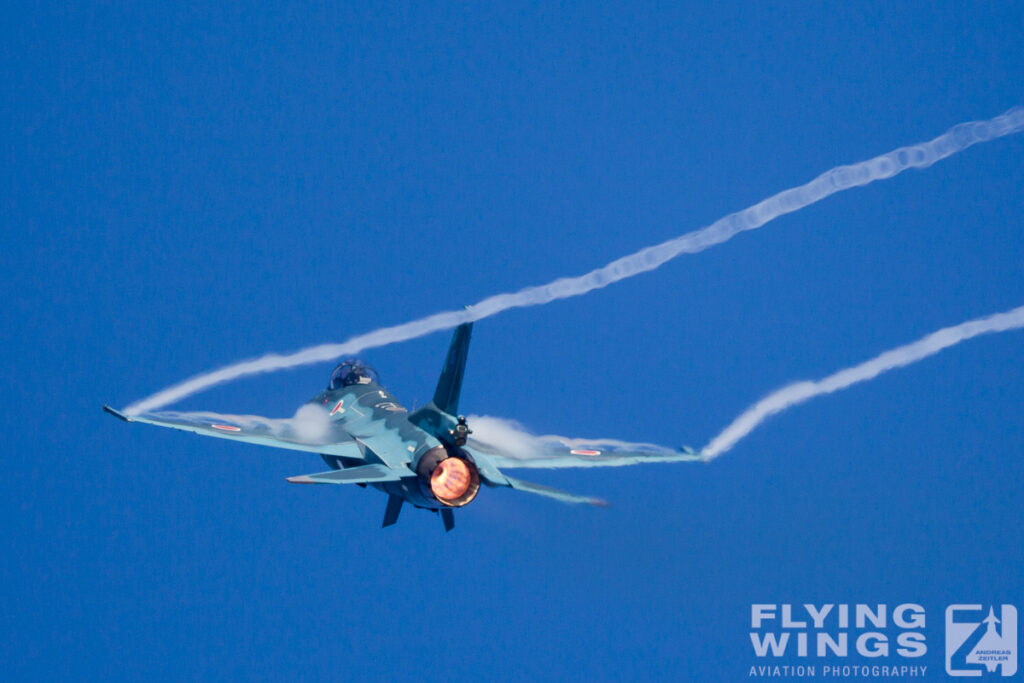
column 799, row 392
column 841, row 178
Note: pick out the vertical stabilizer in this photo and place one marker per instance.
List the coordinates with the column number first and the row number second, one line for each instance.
column 446, row 396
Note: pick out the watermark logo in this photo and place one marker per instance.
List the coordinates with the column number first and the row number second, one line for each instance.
column 980, row 640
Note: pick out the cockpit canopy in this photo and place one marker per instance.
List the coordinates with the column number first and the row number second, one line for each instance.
column 352, row 372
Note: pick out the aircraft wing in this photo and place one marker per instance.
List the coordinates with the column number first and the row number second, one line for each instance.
column 551, row 453
column 279, row 433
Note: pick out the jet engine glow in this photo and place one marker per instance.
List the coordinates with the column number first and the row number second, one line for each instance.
column 451, row 480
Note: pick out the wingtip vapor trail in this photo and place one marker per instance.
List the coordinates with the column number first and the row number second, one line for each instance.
column 840, row 178
column 801, row 392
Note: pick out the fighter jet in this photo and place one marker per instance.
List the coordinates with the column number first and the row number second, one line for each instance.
column 426, row 458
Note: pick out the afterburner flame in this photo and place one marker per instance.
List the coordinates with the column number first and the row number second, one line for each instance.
column 450, row 480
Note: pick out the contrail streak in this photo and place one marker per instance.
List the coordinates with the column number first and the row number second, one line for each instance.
column 841, row 178
column 799, row 392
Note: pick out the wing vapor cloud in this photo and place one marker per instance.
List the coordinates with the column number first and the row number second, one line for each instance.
column 838, row 179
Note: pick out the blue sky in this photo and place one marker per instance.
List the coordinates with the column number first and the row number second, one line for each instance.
column 185, row 187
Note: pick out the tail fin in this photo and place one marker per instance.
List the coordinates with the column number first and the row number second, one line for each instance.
column 446, row 396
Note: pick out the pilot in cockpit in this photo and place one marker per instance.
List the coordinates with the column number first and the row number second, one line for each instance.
column 351, row 372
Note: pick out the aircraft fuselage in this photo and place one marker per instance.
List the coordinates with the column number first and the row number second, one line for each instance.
column 388, row 433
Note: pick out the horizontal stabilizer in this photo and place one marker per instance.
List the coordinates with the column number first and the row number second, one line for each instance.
column 364, row 474
column 549, row 492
